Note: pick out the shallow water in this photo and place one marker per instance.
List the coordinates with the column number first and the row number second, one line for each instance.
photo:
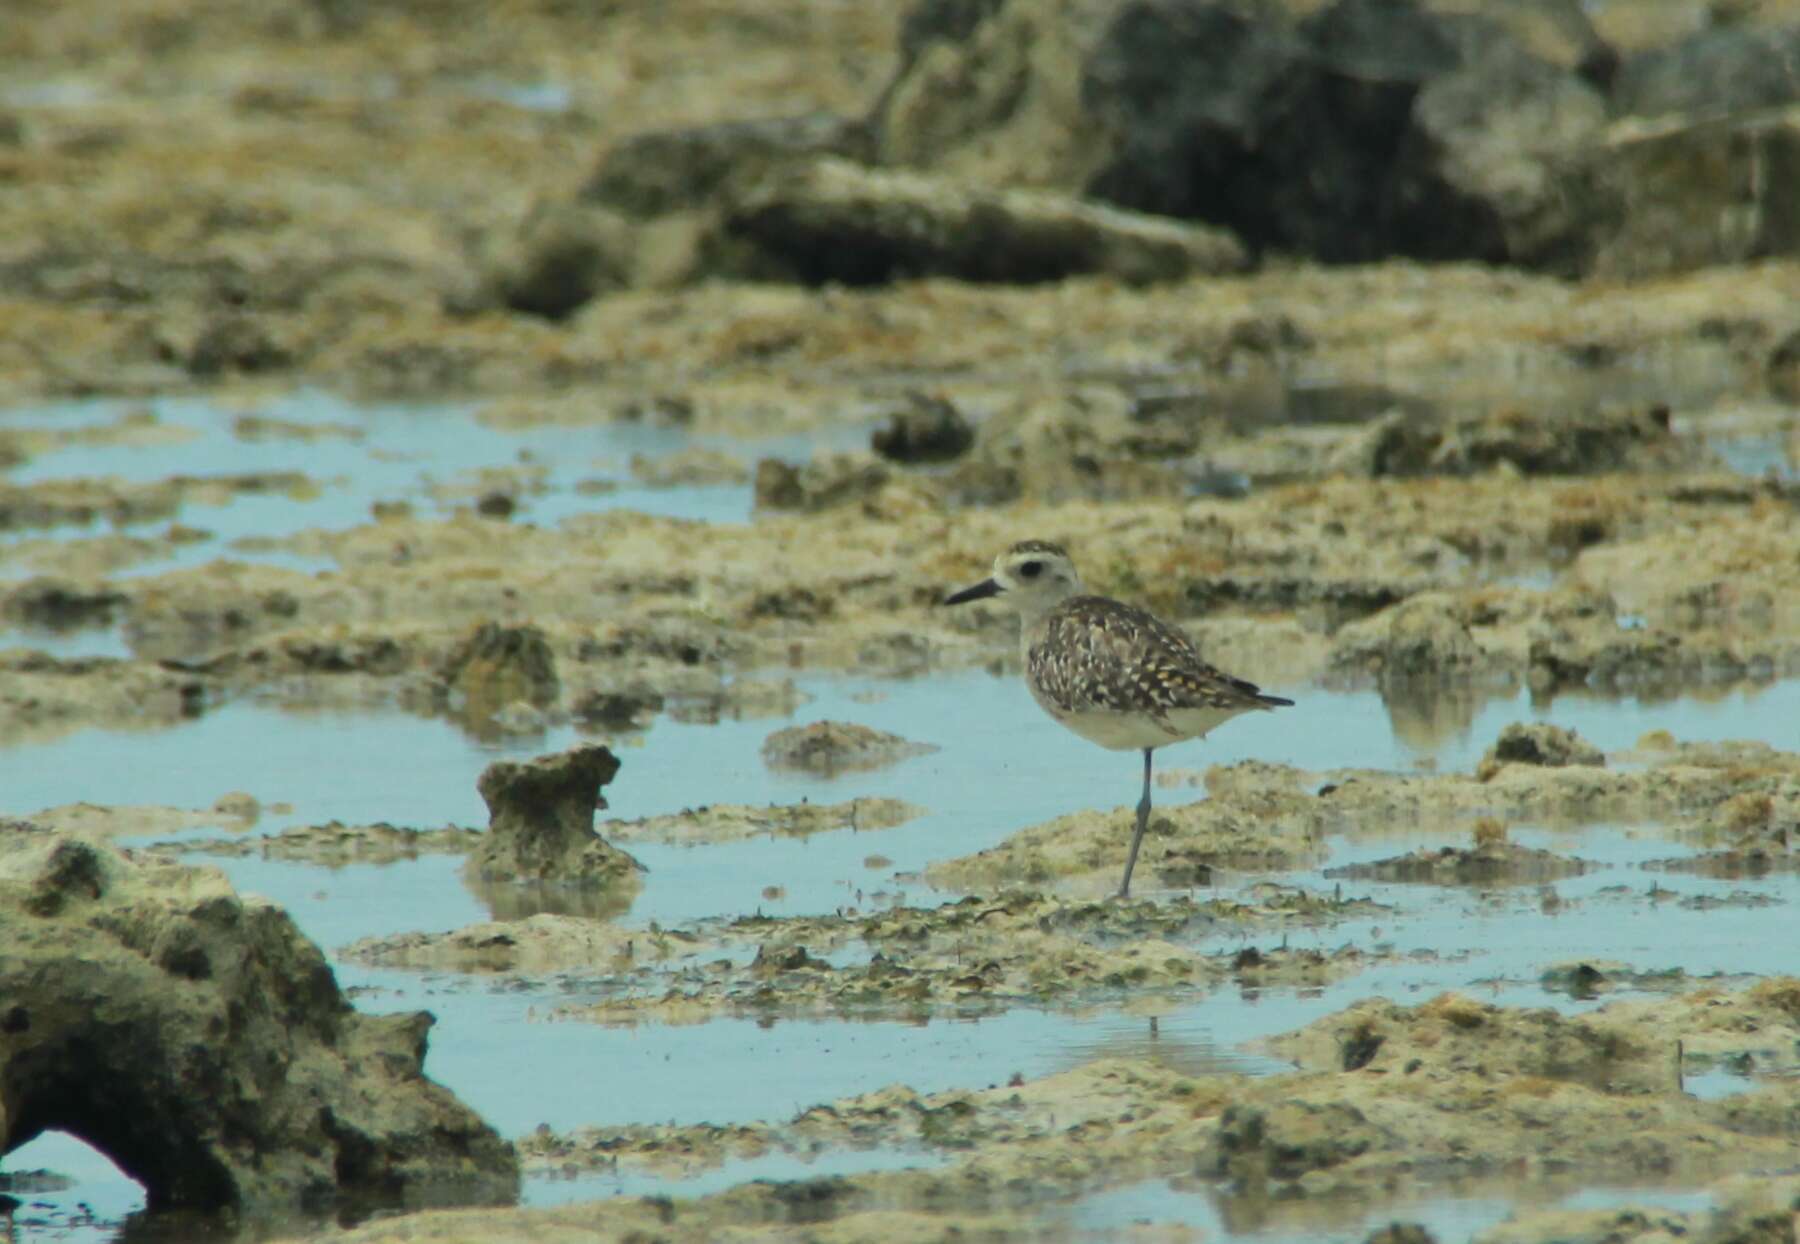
column 1447, row 1217
column 1000, row 766
column 433, row 457
column 1005, row 767
column 503, row 1054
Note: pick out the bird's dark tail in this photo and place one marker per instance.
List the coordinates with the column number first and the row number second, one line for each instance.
column 1259, row 695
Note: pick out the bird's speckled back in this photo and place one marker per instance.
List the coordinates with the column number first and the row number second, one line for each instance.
column 1094, row 654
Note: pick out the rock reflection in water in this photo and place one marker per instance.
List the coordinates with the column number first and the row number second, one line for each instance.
column 513, row 900
column 1427, row 714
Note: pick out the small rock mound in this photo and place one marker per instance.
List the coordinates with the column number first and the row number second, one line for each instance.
column 1426, row 635
column 731, row 822
column 1762, row 832
column 1587, row 979
column 201, row 1042
column 1285, row 1141
column 540, row 943
column 496, row 667
column 697, row 466
column 927, row 429
column 829, row 747
column 825, row 481
column 1402, row 1233
column 1501, row 863
column 333, row 844
column 1413, row 443
column 563, row 255
column 1538, row 744
column 61, row 604
column 541, row 826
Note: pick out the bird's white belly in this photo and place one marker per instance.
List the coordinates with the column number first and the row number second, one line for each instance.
column 1132, row 731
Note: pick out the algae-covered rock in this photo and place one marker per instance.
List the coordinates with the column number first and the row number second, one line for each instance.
column 1538, row 743
column 540, row 851
column 202, row 1043
column 830, row 747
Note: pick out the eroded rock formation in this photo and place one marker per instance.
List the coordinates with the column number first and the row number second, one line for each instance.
column 540, row 852
column 200, row 1041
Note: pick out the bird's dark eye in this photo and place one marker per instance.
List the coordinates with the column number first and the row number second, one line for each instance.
column 1031, row 570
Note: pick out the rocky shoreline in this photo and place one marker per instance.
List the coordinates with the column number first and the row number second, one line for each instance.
column 1442, row 348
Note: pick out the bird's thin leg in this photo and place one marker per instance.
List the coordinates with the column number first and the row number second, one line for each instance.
column 1137, row 835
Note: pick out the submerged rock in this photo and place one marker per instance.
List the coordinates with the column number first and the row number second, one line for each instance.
column 93, row 820
column 731, row 822
column 201, row 1042
column 695, row 466
column 829, row 747
column 334, row 844
column 976, row 956
column 1761, row 830
column 1402, row 1233
column 539, row 943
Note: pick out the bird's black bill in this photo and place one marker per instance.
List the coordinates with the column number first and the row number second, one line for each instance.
column 981, row 591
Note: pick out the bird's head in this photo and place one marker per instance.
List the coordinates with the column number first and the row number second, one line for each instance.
column 1031, row 576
